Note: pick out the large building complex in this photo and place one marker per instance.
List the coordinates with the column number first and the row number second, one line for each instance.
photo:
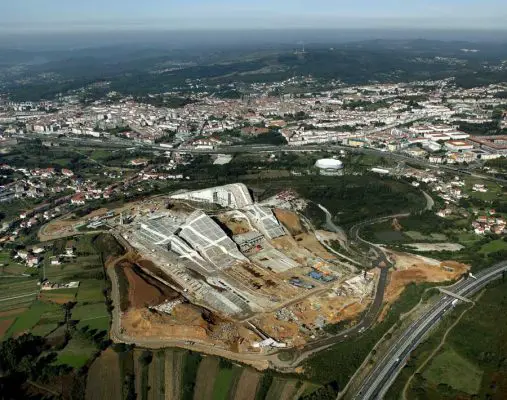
column 237, row 261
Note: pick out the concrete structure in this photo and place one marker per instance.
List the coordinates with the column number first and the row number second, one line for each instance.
column 329, row 166
column 265, row 221
column 232, row 196
column 248, row 240
column 458, row 145
column 206, row 236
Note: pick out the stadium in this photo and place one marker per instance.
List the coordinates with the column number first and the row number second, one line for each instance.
column 329, row 166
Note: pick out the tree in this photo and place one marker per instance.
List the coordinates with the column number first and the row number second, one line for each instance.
column 146, row 357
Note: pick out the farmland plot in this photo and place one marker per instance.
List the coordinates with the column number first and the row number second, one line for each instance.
column 103, row 380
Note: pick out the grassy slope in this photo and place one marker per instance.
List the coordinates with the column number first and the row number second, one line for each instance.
column 474, row 348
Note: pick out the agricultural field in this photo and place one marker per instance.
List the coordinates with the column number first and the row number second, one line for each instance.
column 103, row 379
column 24, row 307
column 91, row 291
column 223, row 383
column 178, row 374
column 9, row 266
column 77, row 352
column 17, row 293
column 205, row 379
column 94, row 316
column 60, row 296
column 38, row 313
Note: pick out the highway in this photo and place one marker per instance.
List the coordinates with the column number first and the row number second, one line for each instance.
column 118, row 143
column 386, row 370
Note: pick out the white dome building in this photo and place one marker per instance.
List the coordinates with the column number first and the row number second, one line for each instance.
column 329, row 166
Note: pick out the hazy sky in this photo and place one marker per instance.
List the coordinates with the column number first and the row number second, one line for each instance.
column 78, row 15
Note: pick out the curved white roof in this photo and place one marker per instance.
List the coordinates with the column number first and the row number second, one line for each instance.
column 329, row 163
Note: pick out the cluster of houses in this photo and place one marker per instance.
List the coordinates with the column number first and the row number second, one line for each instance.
column 32, row 258
column 489, row 224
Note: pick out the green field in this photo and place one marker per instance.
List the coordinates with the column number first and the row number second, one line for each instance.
column 76, row 353
column 223, row 384
column 472, row 359
column 452, row 369
column 467, row 238
column 86, row 265
column 494, row 190
column 493, row 246
column 38, row 311
column 43, row 329
column 91, row 291
column 389, row 236
column 95, row 316
column 9, row 266
column 17, row 292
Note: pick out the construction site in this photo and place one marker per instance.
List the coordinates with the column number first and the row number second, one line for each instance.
column 215, row 267
column 259, row 268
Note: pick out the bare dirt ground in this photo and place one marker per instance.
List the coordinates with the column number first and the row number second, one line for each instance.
column 185, row 324
column 284, row 331
column 290, row 248
column 173, row 370
column 54, row 297
column 104, row 377
column 416, row 269
column 205, row 379
column 436, row 246
column 312, row 311
column 329, row 236
column 13, row 312
column 57, row 229
column 247, row 385
column 310, row 242
column 333, row 309
column 4, row 325
column 235, row 224
column 141, row 292
column 290, row 220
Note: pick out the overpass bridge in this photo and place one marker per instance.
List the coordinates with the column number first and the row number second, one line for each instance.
column 455, row 295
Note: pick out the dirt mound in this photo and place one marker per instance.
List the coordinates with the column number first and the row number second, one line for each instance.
column 188, row 314
column 311, row 243
column 234, row 224
column 416, row 269
column 144, row 323
column 290, row 220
